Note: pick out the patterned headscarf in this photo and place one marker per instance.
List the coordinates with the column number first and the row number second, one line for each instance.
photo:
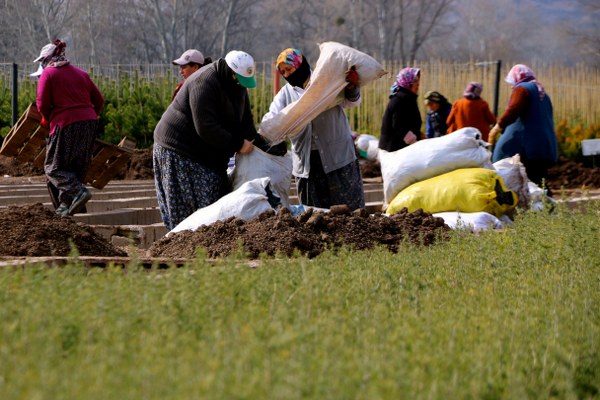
column 473, row 90
column 57, row 57
column 522, row 73
column 289, row 56
column 406, row 77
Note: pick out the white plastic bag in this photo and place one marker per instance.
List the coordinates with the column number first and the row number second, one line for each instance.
column 515, row 178
column 327, row 81
column 259, row 164
column 428, row 158
column 247, row 202
column 367, row 146
column 475, row 222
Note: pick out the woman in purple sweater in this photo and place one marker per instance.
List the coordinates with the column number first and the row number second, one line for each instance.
column 70, row 104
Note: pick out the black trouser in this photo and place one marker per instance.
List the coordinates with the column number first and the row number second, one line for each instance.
column 69, row 154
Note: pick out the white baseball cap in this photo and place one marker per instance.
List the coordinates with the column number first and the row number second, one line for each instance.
column 46, row 51
column 242, row 64
column 190, row 56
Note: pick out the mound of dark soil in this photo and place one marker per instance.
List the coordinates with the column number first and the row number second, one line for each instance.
column 35, row 231
column 11, row 167
column 573, row 175
column 309, row 233
column 139, row 166
column 370, row 169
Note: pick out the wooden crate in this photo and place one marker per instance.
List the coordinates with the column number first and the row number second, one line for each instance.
column 26, row 142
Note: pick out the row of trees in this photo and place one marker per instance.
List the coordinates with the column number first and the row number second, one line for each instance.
column 157, row 31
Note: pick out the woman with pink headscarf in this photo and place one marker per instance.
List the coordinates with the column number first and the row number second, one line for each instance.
column 70, row 104
column 528, row 125
column 401, row 125
column 471, row 111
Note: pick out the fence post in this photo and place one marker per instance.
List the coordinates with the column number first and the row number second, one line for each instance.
column 276, row 80
column 497, row 88
column 15, row 94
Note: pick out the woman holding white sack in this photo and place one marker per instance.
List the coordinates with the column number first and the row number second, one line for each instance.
column 324, row 159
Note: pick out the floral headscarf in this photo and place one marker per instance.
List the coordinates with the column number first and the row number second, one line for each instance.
column 522, row 73
column 53, row 55
column 406, row 77
column 473, row 90
column 289, row 56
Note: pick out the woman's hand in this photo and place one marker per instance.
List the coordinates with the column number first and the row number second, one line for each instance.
column 247, row 147
column 410, row 138
column 494, row 132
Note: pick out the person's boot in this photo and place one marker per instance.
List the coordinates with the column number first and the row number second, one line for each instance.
column 79, row 201
column 62, row 210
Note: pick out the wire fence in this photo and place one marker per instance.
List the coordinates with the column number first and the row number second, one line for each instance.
column 573, row 89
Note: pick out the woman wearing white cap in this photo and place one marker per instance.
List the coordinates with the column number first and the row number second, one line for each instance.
column 208, row 121
column 70, row 104
column 190, row 61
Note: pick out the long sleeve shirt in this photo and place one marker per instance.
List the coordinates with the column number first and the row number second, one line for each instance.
column 66, row 95
column 329, row 133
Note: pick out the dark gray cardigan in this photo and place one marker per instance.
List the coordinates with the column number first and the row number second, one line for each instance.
column 209, row 118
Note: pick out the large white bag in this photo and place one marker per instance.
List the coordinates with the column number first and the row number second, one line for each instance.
column 327, row 81
column 515, row 178
column 258, row 164
column 474, row 222
column 428, row 158
column 247, row 202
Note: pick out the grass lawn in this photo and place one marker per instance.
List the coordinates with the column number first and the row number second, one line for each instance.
column 513, row 314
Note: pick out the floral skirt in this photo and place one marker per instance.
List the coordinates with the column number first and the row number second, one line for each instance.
column 183, row 186
column 69, row 154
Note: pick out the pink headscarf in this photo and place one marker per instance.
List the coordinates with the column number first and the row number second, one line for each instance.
column 473, row 90
column 406, row 77
column 522, row 73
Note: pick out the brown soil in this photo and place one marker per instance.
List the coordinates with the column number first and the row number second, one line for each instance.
column 573, row 175
column 9, row 166
column 139, row 166
column 35, row 231
column 309, row 233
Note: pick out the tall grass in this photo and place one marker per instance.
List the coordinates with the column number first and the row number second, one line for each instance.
column 505, row 315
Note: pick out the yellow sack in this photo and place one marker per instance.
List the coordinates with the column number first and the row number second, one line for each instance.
column 465, row 190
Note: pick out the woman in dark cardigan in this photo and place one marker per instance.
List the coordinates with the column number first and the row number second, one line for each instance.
column 401, row 125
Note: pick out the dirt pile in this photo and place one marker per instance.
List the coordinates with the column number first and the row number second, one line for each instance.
column 573, row 175
column 139, row 166
column 35, row 231
column 309, row 233
column 9, row 166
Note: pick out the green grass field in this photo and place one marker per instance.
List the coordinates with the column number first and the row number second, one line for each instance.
column 513, row 314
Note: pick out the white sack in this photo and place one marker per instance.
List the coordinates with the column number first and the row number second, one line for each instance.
column 247, row 202
column 515, row 178
column 327, row 81
column 258, row 164
column 368, row 146
column 428, row 158
column 474, row 222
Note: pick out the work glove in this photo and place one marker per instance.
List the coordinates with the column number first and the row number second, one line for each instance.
column 495, row 132
column 352, row 78
column 44, row 123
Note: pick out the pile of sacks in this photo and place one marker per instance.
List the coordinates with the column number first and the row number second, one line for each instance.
column 452, row 177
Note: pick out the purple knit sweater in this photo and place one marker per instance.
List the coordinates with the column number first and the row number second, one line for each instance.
column 66, row 95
